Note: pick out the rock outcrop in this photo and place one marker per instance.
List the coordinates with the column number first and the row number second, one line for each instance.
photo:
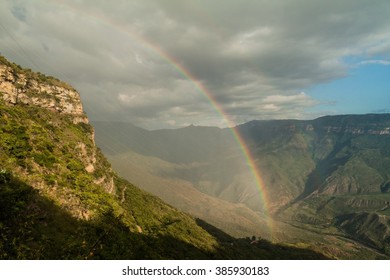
column 26, row 87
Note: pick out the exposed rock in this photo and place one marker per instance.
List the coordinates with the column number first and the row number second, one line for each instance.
column 19, row 88
column 89, row 157
column 107, row 183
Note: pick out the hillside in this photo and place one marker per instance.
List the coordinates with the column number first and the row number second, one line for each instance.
column 328, row 176
column 60, row 199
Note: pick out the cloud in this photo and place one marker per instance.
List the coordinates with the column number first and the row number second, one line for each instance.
column 375, row 61
column 130, row 60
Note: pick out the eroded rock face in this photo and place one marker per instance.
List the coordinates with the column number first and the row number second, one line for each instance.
column 19, row 88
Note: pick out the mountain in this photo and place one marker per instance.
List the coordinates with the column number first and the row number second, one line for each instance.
column 60, row 198
column 328, row 176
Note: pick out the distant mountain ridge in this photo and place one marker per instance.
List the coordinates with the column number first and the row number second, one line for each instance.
column 315, row 171
column 310, row 140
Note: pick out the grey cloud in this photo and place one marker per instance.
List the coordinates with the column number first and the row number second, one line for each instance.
column 247, row 53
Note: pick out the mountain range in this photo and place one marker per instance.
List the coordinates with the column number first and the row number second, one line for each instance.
column 325, row 181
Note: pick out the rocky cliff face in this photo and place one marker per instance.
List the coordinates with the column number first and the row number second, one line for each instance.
column 26, row 87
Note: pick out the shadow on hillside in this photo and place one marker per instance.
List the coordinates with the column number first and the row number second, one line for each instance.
column 368, row 228
column 33, row 227
column 323, row 169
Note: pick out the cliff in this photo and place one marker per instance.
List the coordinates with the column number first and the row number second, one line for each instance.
column 19, row 86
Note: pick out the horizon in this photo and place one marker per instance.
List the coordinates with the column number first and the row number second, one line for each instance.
column 211, row 126
column 166, row 64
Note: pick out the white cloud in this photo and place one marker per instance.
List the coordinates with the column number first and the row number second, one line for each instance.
column 301, row 100
column 270, row 107
column 375, row 61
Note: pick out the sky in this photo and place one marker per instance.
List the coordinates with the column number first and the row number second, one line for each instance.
column 172, row 63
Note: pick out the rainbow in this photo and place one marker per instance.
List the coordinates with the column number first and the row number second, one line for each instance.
column 249, row 158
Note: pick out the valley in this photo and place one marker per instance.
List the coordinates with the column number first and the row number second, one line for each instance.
column 326, row 177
